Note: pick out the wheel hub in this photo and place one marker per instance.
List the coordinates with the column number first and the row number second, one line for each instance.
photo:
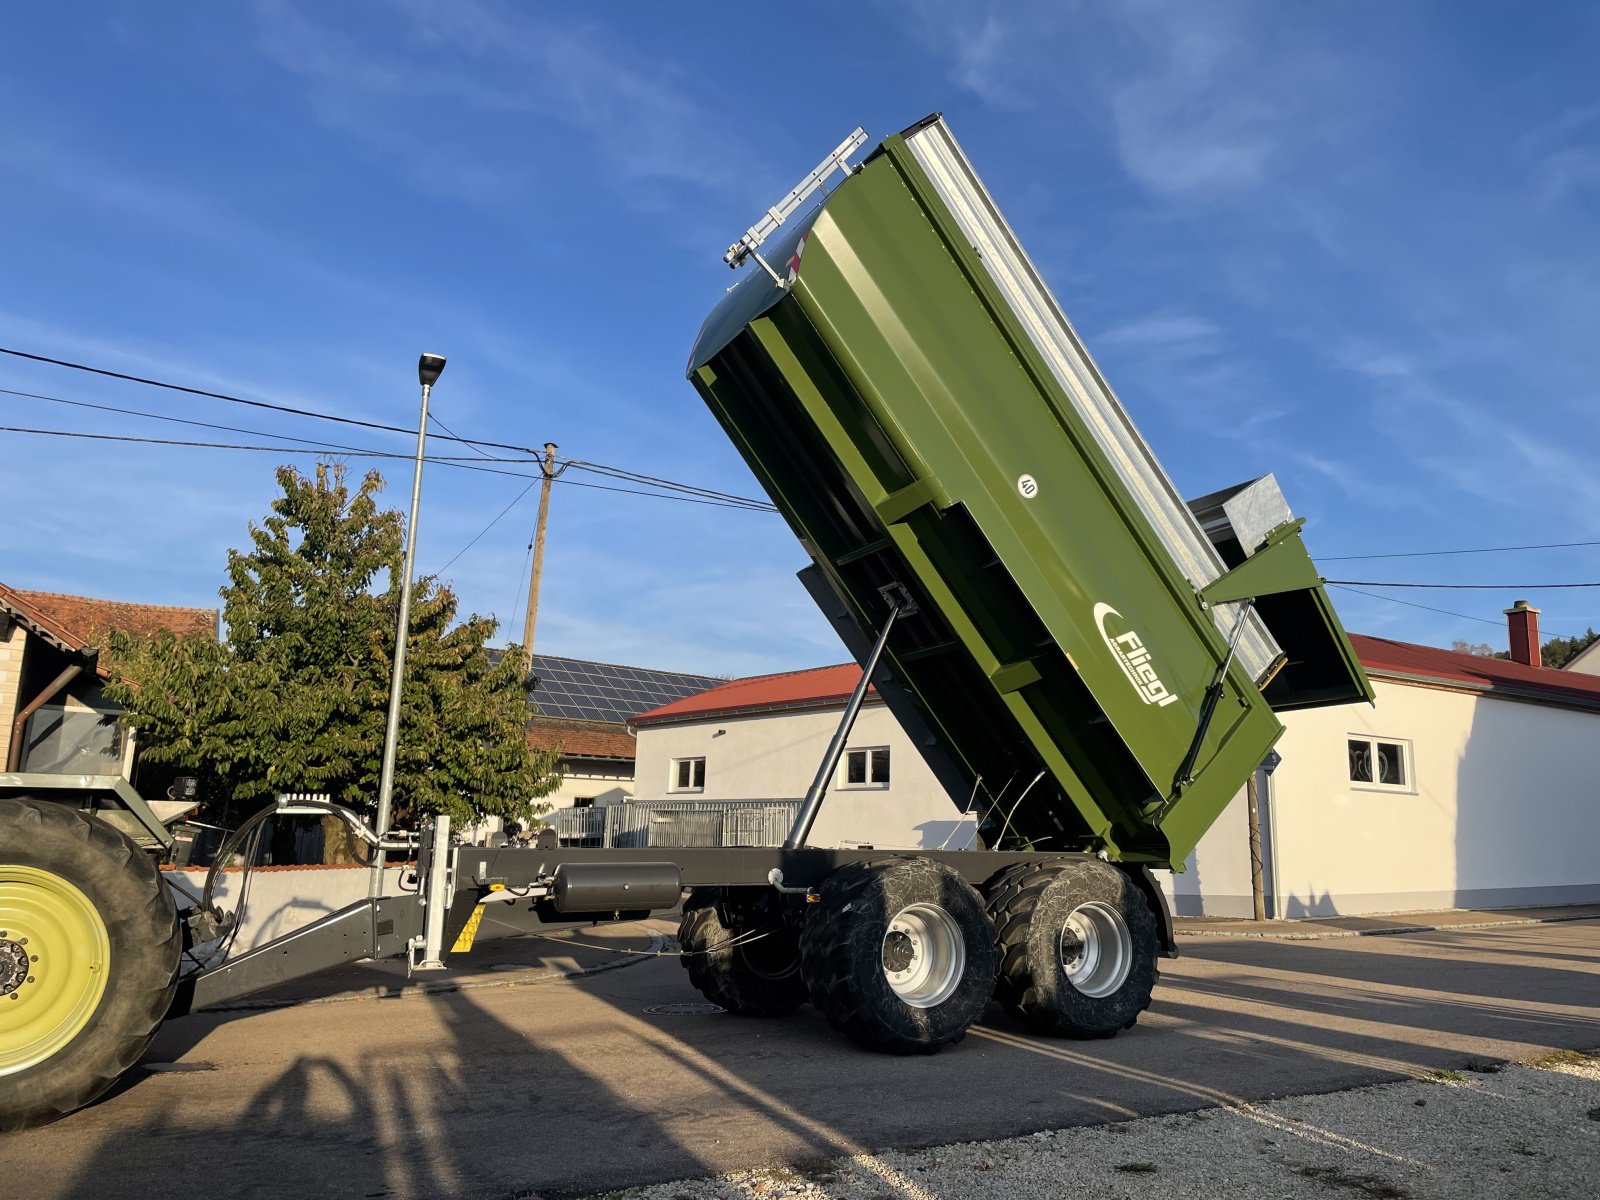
column 13, row 965
column 923, row 955
column 1096, row 949
column 55, row 962
column 899, row 951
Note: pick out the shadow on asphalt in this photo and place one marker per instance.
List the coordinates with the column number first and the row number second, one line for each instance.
column 610, row 1096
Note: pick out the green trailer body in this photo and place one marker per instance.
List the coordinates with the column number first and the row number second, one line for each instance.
column 1085, row 655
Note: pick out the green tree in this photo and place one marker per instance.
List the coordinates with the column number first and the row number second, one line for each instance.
column 1481, row 649
column 294, row 698
column 1559, row 651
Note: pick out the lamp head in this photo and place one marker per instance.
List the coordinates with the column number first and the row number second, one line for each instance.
column 429, row 368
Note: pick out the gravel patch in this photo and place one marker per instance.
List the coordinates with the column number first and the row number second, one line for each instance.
column 1487, row 1130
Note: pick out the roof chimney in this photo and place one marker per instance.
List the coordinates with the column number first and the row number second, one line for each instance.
column 1523, row 620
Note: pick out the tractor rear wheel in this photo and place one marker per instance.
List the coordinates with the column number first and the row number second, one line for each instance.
column 89, row 945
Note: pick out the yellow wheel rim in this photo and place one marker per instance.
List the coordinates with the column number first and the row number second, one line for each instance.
column 55, row 958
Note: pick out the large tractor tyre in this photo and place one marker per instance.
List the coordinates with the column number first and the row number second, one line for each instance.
column 899, row 955
column 89, row 949
column 750, row 967
column 1078, row 947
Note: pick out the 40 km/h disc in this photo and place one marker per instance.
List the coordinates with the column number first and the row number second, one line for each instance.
column 55, row 958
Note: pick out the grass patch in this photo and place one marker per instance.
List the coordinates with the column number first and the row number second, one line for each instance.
column 1566, row 1058
column 1482, row 1066
column 818, row 1170
column 1137, row 1168
column 1448, row 1077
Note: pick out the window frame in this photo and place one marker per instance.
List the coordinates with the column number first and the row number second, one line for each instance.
column 1408, row 763
column 870, row 784
column 672, row 774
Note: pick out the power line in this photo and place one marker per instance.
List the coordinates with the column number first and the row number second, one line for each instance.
column 1437, row 553
column 527, row 560
column 135, row 412
column 1424, row 607
column 453, row 434
column 189, row 391
column 485, row 529
column 1471, row 587
column 474, row 443
column 358, row 453
column 657, row 481
column 1429, row 608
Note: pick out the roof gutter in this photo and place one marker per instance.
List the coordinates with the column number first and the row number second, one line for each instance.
column 1498, row 690
column 753, row 710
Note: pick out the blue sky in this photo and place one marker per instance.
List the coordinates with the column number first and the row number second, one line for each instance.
column 1351, row 243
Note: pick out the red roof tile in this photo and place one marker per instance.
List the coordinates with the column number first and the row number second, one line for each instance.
column 1381, row 656
column 582, row 740
column 791, row 689
column 39, row 621
column 86, row 620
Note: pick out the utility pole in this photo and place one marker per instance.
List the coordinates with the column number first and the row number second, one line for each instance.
column 1252, row 791
column 550, row 473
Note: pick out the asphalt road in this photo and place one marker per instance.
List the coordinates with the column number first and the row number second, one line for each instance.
column 572, row 1087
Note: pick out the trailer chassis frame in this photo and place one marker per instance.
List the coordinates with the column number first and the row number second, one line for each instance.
column 518, row 879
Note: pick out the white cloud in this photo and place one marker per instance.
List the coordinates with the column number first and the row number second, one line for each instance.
column 646, row 121
column 1162, row 331
column 1213, row 98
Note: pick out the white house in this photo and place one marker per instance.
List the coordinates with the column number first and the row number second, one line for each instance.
column 584, row 708
column 1586, row 661
column 1470, row 783
column 763, row 739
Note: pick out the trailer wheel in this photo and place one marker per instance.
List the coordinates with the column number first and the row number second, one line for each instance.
column 1078, row 947
column 758, row 977
column 89, row 949
column 899, row 955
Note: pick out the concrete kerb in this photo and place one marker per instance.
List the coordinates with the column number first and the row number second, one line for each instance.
column 1303, row 932
column 658, row 945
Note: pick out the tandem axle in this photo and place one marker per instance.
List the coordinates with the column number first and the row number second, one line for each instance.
column 543, row 888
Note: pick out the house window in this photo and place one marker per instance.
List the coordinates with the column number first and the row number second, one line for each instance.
column 583, row 802
column 688, row 775
column 1380, row 763
column 866, row 768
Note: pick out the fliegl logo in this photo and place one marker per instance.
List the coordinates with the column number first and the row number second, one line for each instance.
column 1133, row 656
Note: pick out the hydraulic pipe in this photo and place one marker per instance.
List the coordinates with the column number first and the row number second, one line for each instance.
column 807, row 815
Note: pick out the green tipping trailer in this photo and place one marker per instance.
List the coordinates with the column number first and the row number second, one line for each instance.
column 1080, row 653
column 1095, row 662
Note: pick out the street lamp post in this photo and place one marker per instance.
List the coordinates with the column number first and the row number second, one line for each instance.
column 429, row 368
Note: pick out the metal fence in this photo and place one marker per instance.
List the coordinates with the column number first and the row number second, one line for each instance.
column 677, row 823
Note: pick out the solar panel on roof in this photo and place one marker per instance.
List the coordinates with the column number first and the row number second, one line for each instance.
column 577, row 689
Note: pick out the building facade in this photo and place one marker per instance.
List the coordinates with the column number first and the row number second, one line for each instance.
column 1469, row 783
column 763, row 739
column 583, row 708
